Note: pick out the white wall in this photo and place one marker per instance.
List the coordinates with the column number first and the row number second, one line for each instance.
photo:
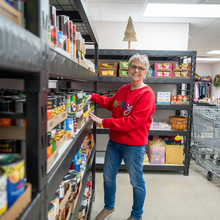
column 204, row 69
column 150, row 36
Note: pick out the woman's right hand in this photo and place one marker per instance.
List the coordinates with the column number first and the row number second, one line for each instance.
column 88, row 97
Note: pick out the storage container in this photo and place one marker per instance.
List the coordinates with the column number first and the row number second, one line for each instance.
column 178, row 122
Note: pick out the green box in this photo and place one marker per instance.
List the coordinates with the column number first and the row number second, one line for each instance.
column 123, row 73
column 123, row 64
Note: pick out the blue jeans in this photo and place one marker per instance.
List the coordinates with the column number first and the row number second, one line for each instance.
column 133, row 157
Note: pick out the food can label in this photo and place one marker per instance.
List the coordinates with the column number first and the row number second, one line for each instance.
column 3, row 194
column 56, row 207
column 51, row 215
column 15, row 181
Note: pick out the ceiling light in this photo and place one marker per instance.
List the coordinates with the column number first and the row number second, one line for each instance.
column 214, row 52
column 183, row 10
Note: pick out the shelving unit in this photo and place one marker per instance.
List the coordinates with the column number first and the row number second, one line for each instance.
column 25, row 54
column 165, row 56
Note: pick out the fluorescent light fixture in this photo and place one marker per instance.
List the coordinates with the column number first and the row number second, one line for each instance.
column 214, row 52
column 183, row 10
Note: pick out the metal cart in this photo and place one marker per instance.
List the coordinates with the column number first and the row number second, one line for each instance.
column 206, row 137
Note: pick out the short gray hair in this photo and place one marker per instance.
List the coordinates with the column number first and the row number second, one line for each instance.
column 143, row 59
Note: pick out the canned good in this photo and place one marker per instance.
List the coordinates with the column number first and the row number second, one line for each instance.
column 13, row 165
column 77, row 173
column 49, row 145
column 3, row 192
column 50, row 214
column 71, row 178
column 20, row 107
column 69, row 127
column 7, row 146
column 55, row 203
column 61, row 191
column 6, row 106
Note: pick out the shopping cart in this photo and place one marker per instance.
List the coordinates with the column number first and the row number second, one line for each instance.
column 206, row 138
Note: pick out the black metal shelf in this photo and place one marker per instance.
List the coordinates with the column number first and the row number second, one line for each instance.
column 151, row 167
column 152, row 54
column 146, row 80
column 57, row 173
column 12, row 115
column 21, row 51
column 89, row 210
column 84, row 181
column 153, row 132
column 61, row 67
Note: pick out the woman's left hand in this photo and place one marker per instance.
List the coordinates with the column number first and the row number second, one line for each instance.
column 95, row 118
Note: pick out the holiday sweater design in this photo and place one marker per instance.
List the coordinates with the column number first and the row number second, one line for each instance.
column 131, row 114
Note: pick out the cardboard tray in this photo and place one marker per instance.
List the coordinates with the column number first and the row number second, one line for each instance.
column 53, row 157
column 67, row 189
column 82, row 63
column 13, row 132
column 179, row 103
column 56, row 120
column 10, row 13
column 19, row 205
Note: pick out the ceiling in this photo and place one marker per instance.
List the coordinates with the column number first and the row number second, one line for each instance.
column 204, row 33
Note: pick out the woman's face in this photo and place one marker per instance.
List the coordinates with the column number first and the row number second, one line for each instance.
column 136, row 71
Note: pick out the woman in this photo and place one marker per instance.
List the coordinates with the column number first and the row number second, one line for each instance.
column 132, row 108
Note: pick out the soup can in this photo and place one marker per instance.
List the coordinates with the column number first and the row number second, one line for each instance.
column 3, row 192
column 50, row 214
column 55, row 203
column 13, row 166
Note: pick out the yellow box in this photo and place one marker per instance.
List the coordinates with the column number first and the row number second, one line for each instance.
column 174, row 154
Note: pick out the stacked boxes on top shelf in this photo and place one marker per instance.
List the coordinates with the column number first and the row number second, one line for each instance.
column 106, row 69
column 181, row 71
column 123, row 68
column 163, row 70
column 63, row 37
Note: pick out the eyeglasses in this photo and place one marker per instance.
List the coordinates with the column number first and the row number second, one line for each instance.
column 140, row 69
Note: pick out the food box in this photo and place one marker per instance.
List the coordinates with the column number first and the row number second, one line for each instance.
column 80, row 46
column 123, row 73
column 107, row 70
column 10, row 13
column 123, row 65
column 19, row 205
column 174, row 154
column 56, row 120
column 163, row 70
column 82, row 63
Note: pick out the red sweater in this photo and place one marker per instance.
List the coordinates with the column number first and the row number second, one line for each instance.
column 131, row 114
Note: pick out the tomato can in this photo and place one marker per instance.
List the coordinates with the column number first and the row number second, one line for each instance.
column 3, row 192
column 55, row 203
column 13, row 166
column 50, row 213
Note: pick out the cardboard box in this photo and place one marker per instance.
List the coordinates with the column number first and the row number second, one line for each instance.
column 80, row 46
column 79, row 124
column 107, row 71
column 19, row 205
column 123, row 65
column 90, row 68
column 160, row 98
column 56, row 120
column 73, row 58
column 73, row 205
column 67, row 191
column 52, row 159
column 82, row 63
column 174, row 154
column 10, row 13
column 68, row 214
column 61, row 142
column 79, row 107
column 86, row 118
column 13, row 132
column 123, row 73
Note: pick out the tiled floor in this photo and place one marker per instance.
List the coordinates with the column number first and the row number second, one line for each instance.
column 170, row 196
